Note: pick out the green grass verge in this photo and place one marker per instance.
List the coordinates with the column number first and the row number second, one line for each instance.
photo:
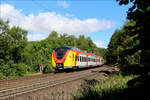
column 110, row 89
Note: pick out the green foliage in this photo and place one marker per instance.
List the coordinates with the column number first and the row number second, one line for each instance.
column 53, row 34
column 103, row 90
column 12, row 43
column 139, row 34
column 121, row 41
column 19, row 57
column 129, row 49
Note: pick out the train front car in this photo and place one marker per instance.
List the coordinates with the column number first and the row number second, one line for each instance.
column 63, row 58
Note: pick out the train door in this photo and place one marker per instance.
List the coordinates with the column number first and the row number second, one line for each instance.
column 81, row 62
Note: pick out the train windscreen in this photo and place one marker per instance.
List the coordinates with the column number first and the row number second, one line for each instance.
column 61, row 51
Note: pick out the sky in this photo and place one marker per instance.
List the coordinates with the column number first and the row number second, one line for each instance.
column 97, row 19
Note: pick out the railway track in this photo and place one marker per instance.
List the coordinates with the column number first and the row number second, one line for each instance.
column 19, row 90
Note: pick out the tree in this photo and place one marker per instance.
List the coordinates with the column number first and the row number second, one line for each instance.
column 53, row 34
column 140, row 13
column 12, row 43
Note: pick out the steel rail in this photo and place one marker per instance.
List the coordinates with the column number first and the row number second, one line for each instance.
column 11, row 92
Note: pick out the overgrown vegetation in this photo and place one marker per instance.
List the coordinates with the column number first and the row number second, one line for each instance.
column 111, row 89
column 18, row 57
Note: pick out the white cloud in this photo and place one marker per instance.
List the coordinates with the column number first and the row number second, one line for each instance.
column 100, row 44
column 62, row 3
column 42, row 24
column 69, row 15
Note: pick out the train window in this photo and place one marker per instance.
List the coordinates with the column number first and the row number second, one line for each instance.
column 83, row 59
column 75, row 58
column 80, row 59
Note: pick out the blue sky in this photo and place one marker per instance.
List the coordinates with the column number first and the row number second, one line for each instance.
column 97, row 19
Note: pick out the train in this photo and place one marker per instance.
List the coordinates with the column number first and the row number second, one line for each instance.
column 72, row 58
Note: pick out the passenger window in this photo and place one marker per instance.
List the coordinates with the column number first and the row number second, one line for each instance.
column 82, row 59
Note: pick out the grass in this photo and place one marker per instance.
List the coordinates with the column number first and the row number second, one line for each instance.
column 110, row 89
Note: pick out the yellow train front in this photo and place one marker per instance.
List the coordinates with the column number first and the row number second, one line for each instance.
column 68, row 58
column 63, row 58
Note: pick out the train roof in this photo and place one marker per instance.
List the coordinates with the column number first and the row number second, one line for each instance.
column 72, row 48
column 76, row 49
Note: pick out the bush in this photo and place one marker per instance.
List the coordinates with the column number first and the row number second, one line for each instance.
column 22, row 69
column 2, row 76
column 13, row 69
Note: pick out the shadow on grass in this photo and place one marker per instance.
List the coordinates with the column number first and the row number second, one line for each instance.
column 138, row 89
column 89, row 91
column 132, row 89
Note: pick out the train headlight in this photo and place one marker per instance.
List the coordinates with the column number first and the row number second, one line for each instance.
column 59, row 65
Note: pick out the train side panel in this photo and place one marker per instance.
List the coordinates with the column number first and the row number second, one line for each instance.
column 70, row 59
column 53, row 62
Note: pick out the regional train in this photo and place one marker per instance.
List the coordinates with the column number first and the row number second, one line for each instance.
column 71, row 58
